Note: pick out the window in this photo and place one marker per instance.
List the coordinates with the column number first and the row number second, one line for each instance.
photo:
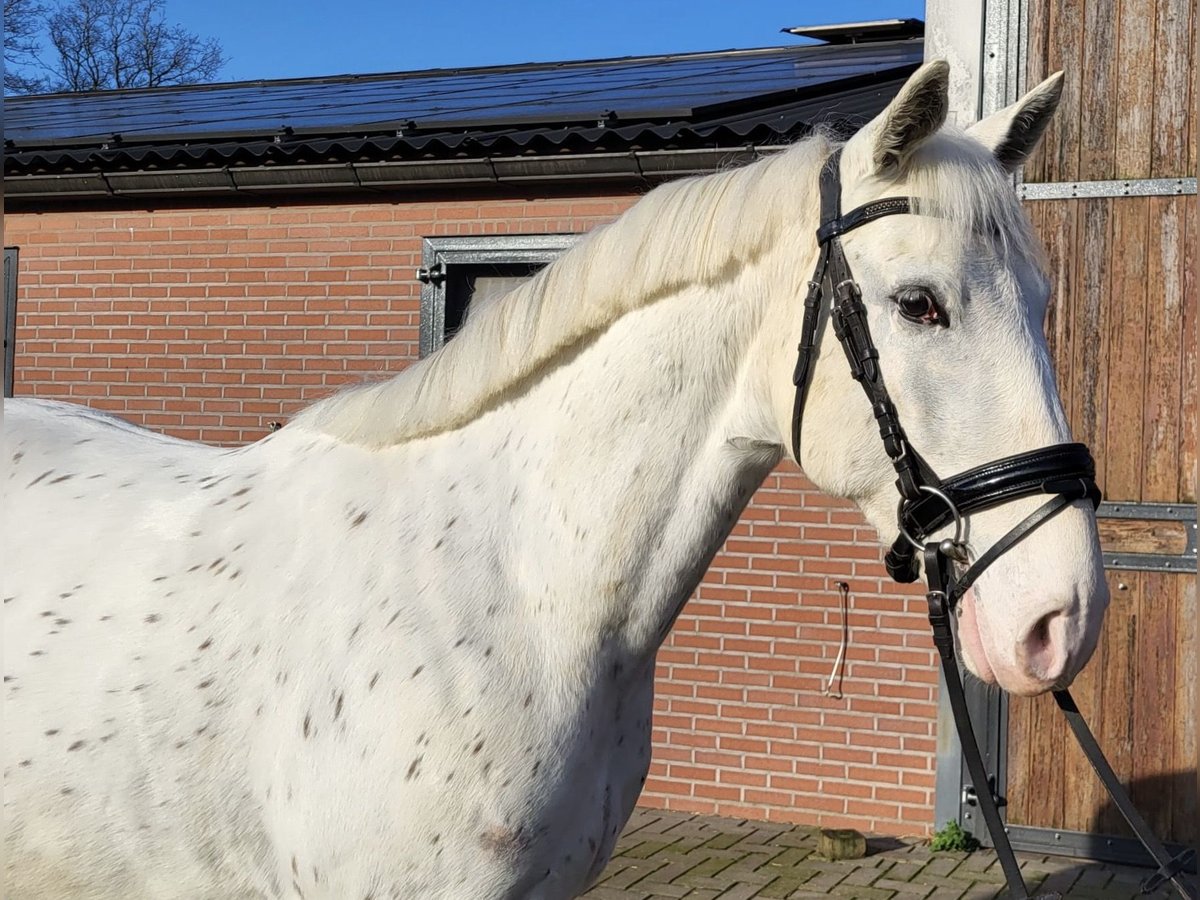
column 10, row 316
column 459, row 271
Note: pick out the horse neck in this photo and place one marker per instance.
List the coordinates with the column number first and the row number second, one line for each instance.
column 642, row 451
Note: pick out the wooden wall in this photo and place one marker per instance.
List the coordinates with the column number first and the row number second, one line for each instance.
column 1129, row 95
column 1122, row 328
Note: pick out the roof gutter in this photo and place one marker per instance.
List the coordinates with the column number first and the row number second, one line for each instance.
column 377, row 177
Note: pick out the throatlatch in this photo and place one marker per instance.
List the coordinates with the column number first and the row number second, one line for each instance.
column 1065, row 473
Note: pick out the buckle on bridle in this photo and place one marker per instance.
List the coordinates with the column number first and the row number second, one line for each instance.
column 952, row 548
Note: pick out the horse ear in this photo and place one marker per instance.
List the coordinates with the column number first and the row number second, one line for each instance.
column 1013, row 132
column 916, row 113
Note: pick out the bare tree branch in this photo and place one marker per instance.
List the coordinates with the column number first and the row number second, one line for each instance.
column 105, row 44
column 22, row 22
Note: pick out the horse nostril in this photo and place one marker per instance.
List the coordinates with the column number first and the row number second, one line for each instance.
column 1040, row 635
column 1044, row 650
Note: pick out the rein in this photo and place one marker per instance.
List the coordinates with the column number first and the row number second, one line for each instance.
column 1064, row 472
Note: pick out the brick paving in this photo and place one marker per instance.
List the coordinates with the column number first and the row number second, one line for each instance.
column 663, row 855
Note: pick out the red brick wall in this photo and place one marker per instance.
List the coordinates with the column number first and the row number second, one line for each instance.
column 210, row 323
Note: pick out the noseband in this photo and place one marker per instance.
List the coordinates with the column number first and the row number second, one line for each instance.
column 1064, row 472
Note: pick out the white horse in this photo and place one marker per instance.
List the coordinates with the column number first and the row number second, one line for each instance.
column 404, row 647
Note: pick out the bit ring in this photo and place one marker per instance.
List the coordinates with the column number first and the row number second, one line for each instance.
column 941, row 495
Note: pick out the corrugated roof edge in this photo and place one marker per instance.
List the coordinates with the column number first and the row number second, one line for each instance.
column 636, row 152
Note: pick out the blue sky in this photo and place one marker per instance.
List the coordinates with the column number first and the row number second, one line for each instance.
column 298, row 38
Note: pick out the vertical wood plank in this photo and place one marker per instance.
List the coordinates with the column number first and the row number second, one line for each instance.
column 1097, row 94
column 1090, row 314
column 1115, row 726
column 1057, row 228
column 1038, row 771
column 1186, row 820
column 1188, row 470
column 1127, row 350
column 1173, row 50
column 1019, row 740
column 1160, row 432
column 1050, row 779
column 1152, row 709
column 1135, row 88
column 1194, row 95
column 1065, row 44
column 1037, row 68
column 1083, row 795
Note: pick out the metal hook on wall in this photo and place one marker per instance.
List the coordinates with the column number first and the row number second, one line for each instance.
column 835, row 674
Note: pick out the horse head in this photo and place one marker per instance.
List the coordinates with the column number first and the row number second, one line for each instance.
column 955, row 298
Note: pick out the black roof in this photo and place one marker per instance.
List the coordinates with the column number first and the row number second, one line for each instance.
column 693, row 100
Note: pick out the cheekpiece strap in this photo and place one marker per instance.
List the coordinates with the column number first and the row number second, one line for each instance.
column 832, row 282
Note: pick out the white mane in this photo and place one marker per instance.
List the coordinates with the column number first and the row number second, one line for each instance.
column 694, row 231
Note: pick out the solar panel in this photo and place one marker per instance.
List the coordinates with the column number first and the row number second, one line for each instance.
column 663, row 88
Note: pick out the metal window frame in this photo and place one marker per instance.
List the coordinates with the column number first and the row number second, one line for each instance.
column 441, row 255
column 11, row 260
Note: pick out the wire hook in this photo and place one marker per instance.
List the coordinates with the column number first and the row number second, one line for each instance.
column 835, row 674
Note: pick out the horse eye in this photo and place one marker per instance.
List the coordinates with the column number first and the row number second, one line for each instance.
column 918, row 305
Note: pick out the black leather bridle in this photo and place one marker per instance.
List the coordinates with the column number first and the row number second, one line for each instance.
column 1063, row 472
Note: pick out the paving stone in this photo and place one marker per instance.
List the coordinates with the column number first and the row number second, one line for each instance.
column 798, row 837
column 725, row 840
column 939, row 867
column 606, row 893
column 860, row 876
column 740, row 892
column 712, row 865
column 781, row 888
column 675, row 867
column 920, row 851
column 824, row 881
column 1094, row 877
column 646, row 849
column 1059, row 882
column 907, row 889
column 862, row 892
column 904, row 870
column 790, row 857
column 945, row 893
column 615, row 865
column 633, row 874
column 981, row 892
column 659, row 889
column 979, row 862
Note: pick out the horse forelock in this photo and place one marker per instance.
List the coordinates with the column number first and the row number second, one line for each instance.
column 963, row 183
column 693, row 231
